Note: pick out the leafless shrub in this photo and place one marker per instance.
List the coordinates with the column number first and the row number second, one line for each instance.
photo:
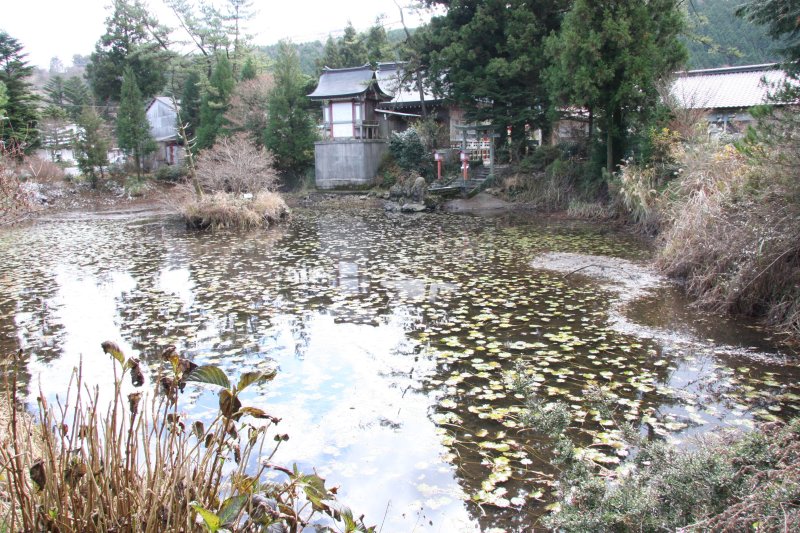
column 247, row 110
column 235, row 165
column 15, row 202
column 43, row 171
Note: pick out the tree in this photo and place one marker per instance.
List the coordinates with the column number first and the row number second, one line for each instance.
column 376, row 44
column 248, row 70
column 291, row 131
column 55, row 132
column 782, row 20
column 249, row 107
column 189, row 113
column 3, row 100
column 131, row 41
column 91, row 145
column 488, row 57
column 608, row 57
column 133, row 129
column 331, row 57
column 352, row 51
column 76, row 96
column 235, row 165
column 19, row 130
column 215, row 104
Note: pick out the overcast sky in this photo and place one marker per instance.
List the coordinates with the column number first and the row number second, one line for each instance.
column 62, row 28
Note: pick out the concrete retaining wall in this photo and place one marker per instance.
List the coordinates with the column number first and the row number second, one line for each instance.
column 347, row 162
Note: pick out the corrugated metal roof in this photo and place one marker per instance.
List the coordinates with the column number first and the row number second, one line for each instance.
column 733, row 87
column 344, row 82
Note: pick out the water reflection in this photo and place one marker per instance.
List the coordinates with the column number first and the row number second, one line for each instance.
column 395, row 338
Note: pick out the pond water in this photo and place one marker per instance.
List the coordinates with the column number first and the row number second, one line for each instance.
column 396, row 339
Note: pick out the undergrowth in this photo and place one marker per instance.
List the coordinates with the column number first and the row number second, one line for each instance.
column 138, row 464
column 726, row 481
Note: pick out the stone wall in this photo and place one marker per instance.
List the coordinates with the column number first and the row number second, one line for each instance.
column 347, row 162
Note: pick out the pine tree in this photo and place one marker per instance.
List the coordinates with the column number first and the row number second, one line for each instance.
column 133, row 129
column 91, row 146
column 290, row 130
column 76, row 96
column 20, row 129
column 249, row 69
column 331, row 57
column 215, row 104
column 352, row 49
column 127, row 43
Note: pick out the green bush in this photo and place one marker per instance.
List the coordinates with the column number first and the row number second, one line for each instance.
column 171, row 173
column 407, row 149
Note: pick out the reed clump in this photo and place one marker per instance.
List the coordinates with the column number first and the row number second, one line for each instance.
column 225, row 210
column 137, row 464
column 236, row 187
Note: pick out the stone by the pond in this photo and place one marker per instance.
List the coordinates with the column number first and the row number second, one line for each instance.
column 413, row 208
column 419, row 189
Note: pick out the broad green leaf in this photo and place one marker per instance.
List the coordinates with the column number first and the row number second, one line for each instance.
column 112, row 349
column 231, row 509
column 248, row 378
column 211, row 520
column 210, row 374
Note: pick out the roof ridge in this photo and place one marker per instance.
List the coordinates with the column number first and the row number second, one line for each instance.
column 730, row 70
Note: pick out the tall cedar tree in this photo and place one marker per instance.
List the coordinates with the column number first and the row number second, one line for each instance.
column 215, row 104
column 91, row 146
column 133, row 129
column 608, row 57
column 19, row 130
column 291, row 131
column 3, row 100
column 128, row 42
column 488, row 57
column 189, row 113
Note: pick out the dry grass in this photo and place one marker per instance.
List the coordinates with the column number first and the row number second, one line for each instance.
column 226, row 210
column 136, row 464
column 732, row 236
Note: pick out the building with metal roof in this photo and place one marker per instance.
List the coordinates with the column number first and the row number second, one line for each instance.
column 726, row 94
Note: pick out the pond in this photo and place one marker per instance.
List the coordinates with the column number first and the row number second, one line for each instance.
column 397, row 339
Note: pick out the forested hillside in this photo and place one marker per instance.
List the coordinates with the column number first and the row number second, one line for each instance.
column 722, row 39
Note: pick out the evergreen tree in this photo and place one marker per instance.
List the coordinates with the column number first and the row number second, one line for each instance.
column 127, row 43
column 215, row 104
column 331, row 57
column 19, row 130
column 133, row 129
column 488, row 57
column 91, row 146
column 291, row 131
column 189, row 113
column 608, row 57
column 76, row 96
column 54, row 91
column 782, row 20
column 352, row 51
column 376, row 43
column 249, row 70
column 3, row 100
column 54, row 130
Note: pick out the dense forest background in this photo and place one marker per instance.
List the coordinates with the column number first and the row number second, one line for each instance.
column 721, row 39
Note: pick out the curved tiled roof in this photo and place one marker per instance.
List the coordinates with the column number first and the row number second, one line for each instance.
column 344, row 82
column 733, row 87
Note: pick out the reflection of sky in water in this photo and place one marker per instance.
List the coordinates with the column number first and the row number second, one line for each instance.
column 391, row 336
